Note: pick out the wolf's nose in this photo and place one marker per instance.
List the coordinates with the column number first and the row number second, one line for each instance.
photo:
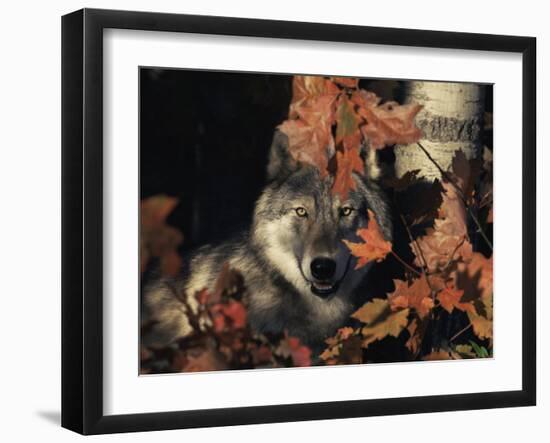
column 323, row 268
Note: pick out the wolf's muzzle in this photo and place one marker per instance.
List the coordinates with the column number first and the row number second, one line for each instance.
column 324, row 290
column 323, row 268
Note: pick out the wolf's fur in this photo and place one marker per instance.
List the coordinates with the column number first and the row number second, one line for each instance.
column 274, row 256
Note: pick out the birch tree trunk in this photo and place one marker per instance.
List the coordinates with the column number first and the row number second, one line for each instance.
column 451, row 119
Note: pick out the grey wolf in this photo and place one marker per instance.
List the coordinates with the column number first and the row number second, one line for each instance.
column 299, row 274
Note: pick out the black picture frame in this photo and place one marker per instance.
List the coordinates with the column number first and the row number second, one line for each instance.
column 82, row 218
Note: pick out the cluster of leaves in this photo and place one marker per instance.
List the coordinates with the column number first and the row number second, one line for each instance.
column 331, row 122
column 447, row 276
column 221, row 338
column 446, row 273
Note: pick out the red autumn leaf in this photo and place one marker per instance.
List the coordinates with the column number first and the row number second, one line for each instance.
column 218, row 321
column 157, row 239
column 388, row 123
column 236, row 312
column 375, row 247
column 292, row 347
column 308, row 143
column 347, row 163
column 309, row 92
column 448, row 239
column 348, row 141
column 229, row 315
column 301, row 356
column 311, row 116
column 154, row 210
column 416, row 295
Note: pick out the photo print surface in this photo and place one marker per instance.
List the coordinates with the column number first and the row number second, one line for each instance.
column 309, row 220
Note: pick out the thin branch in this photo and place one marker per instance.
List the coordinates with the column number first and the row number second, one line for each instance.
column 457, row 247
column 443, row 173
column 404, row 263
column 420, row 254
column 448, row 178
column 460, row 332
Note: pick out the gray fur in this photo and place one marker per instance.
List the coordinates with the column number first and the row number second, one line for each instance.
column 274, row 257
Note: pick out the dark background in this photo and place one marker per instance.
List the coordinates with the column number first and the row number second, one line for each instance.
column 205, row 138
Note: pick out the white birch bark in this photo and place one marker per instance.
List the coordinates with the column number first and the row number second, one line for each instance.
column 451, row 119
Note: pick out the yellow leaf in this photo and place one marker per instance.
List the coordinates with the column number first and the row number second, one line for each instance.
column 380, row 320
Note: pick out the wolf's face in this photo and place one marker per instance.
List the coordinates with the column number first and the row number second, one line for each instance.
column 300, row 227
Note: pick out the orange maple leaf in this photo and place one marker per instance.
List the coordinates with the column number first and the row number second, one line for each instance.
column 309, row 144
column 311, row 116
column 416, row 295
column 348, row 141
column 374, row 248
column 388, row 123
column 347, row 163
column 450, row 298
column 319, row 103
column 310, row 92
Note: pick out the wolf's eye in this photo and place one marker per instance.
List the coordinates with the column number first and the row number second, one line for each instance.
column 346, row 211
column 301, row 212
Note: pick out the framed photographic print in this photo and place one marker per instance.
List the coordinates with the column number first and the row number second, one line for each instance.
column 269, row 221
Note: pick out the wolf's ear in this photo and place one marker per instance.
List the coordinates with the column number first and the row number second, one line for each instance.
column 372, row 167
column 280, row 162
